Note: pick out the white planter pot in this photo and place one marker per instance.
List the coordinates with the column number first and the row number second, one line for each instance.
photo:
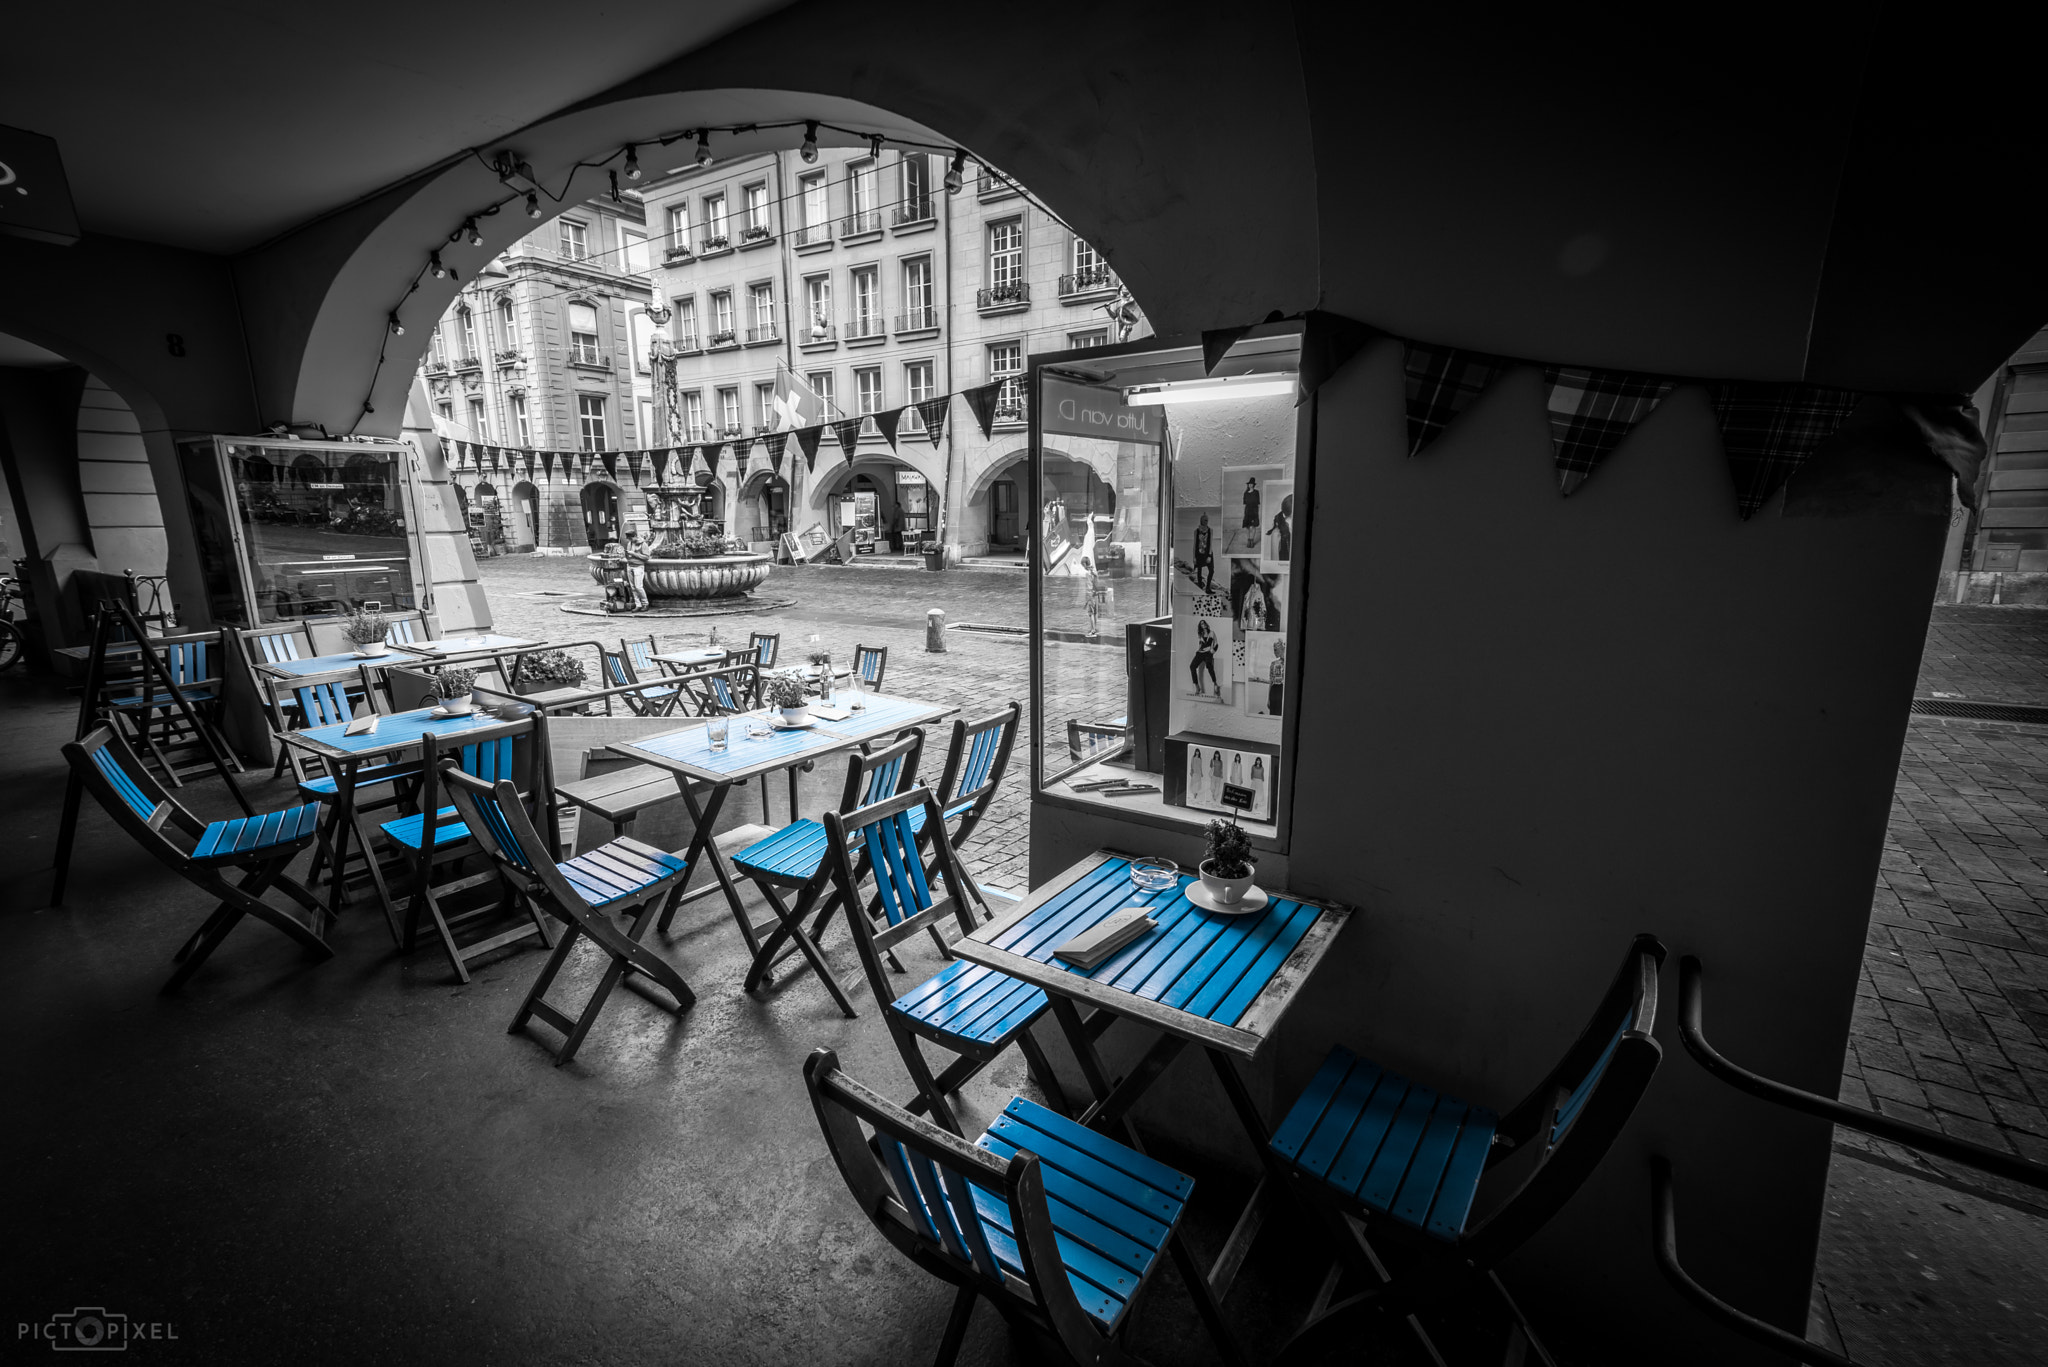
column 373, row 649
column 1228, row 891
column 796, row 716
column 458, row 706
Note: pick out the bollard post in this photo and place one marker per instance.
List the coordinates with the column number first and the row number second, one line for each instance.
column 935, row 631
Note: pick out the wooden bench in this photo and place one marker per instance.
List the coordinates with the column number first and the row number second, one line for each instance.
column 620, row 796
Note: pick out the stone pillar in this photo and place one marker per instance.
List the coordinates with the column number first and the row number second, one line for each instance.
column 935, row 631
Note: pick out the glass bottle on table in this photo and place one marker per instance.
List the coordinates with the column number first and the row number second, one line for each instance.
column 825, row 680
column 856, row 693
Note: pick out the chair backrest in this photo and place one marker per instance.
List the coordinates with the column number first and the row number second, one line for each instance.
column 642, row 654
column 765, row 647
column 976, row 761
column 884, row 772
column 1576, row 1113
column 498, row 821
column 323, row 702
column 401, row 688
column 746, row 655
column 871, row 662
column 919, row 1183
column 722, row 692
column 618, row 670
column 514, row 752
column 402, row 631
column 108, row 769
column 275, row 647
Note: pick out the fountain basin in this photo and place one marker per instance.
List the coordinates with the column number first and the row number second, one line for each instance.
column 716, row 576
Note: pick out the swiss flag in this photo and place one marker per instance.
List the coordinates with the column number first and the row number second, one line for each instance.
column 796, row 404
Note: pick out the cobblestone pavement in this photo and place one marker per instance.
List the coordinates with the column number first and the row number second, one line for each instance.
column 1951, row 1025
column 843, row 607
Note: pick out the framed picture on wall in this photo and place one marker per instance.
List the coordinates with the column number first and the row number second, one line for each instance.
column 1276, row 539
column 1245, row 508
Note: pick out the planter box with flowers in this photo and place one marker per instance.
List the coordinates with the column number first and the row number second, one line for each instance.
column 544, row 671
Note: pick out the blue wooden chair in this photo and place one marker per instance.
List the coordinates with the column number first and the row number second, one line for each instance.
column 972, row 1012
column 649, row 700
column 792, row 860
column 1408, row 1164
column 871, row 662
column 277, row 645
column 584, row 893
column 144, row 708
column 516, row 751
column 765, row 646
column 206, row 852
column 1059, row 1227
column 976, row 761
column 642, row 654
column 403, row 631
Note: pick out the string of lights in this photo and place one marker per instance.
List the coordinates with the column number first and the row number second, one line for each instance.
column 509, row 168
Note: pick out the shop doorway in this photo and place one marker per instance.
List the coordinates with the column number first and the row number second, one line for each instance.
column 600, row 515
column 1005, row 532
column 487, row 519
column 525, row 515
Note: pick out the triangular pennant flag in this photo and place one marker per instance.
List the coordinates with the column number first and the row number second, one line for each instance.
column 547, row 463
column 886, row 424
column 633, row 465
column 807, row 441
column 1328, row 340
column 847, row 433
column 982, row 402
column 1768, row 431
column 741, row 449
column 611, row 464
column 1590, row 412
column 775, row 441
column 528, row 455
column 1442, row 383
column 712, row 452
column 932, row 412
column 1216, row 342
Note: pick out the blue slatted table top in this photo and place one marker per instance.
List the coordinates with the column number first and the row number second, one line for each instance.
column 1217, row 980
column 688, row 749
column 463, row 645
column 321, row 664
column 882, row 715
column 398, row 732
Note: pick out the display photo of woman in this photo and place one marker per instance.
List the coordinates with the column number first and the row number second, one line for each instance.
column 1208, row 640
column 1245, row 501
column 1265, row 663
column 1278, row 545
column 1253, row 594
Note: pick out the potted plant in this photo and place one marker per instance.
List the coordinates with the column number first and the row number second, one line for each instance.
column 822, row 659
column 366, row 628
column 546, row 670
column 1227, row 872
column 785, row 692
column 452, row 687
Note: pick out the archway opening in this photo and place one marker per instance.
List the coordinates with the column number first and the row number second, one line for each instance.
column 600, row 514
column 523, row 533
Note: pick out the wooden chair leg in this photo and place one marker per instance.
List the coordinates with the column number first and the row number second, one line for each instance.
column 921, row 1075
column 545, row 980
column 1205, row 1303
column 215, row 930
column 956, row 1327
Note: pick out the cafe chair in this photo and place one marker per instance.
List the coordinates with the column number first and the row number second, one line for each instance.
column 516, row 751
column 649, row 700
column 402, row 631
column 205, row 853
column 976, row 760
column 726, row 691
column 583, row 893
column 277, row 647
column 1058, row 1227
column 146, row 709
column 640, row 654
column 871, row 662
column 792, row 861
column 765, row 647
column 1409, row 1164
column 972, row 1012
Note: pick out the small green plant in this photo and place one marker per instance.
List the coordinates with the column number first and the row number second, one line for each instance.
column 700, row 547
column 551, row 667
column 1230, row 850
column 784, row 690
column 454, row 683
column 366, row 626
column 820, row 658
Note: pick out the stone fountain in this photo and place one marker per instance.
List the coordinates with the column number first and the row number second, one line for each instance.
column 675, row 516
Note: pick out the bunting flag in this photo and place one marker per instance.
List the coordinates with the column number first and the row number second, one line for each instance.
column 741, row 449
column 633, row 465
column 847, row 432
column 547, row 463
column 529, row 463
column 932, row 412
column 775, row 441
column 807, row 441
column 1590, row 412
column 1442, row 383
column 660, row 461
column 610, row 460
column 1768, row 431
column 886, row 424
column 982, row 402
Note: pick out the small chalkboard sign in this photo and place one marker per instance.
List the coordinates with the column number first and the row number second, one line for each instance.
column 1238, row 798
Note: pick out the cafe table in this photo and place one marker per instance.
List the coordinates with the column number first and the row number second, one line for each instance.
column 706, row 776
column 1221, row 982
column 322, row 664
column 690, row 660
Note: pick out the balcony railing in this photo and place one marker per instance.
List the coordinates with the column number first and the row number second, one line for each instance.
column 870, row 326
column 1010, row 294
column 763, row 332
column 724, row 337
column 757, row 232
column 918, row 210
column 814, row 235
column 917, row 320
column 1089, row 280
column 853, row 225
column 688, row 342
column 680, row 252
column 717, row 243
column 818, row 331
column 732, row 430
column 586, row 353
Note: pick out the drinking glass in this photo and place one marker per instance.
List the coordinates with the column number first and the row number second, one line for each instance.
column 715, row 732
column 856, row 692
column 758, row 727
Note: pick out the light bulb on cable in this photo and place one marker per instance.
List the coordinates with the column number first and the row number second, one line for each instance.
column 809, row 151
column 532, row 204
column 956, row 173
column 476, row 239
column 434, row 264
column 397, row 328
column 632, row 162
column 704, row 157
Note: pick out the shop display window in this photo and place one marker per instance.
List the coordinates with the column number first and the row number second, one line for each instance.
column 1168, row 550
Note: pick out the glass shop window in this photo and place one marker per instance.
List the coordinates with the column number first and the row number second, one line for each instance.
column 1166, row 602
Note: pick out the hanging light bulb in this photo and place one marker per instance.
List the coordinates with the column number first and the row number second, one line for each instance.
column 956, row 173
column 434, row 264
column 875, row 146
column 632, row 162
column 809, row 151
column 704, row 157
column 397, row 328
column 476, row 239
column 532, row 204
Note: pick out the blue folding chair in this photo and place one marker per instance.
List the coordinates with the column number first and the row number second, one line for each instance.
column 1059, row 1227
column 150, row 716
column 277, row 647
column 646, row 700
column 976, row 761
column 792, row 860
column 971, row 1011
column 1395, row 1169
column 402, row 631
column 206, row 852
column 766, row 646
column 871, row 662
column 584, row 893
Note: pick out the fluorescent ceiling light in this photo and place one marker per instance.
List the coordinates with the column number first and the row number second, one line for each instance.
column 1204, row 391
